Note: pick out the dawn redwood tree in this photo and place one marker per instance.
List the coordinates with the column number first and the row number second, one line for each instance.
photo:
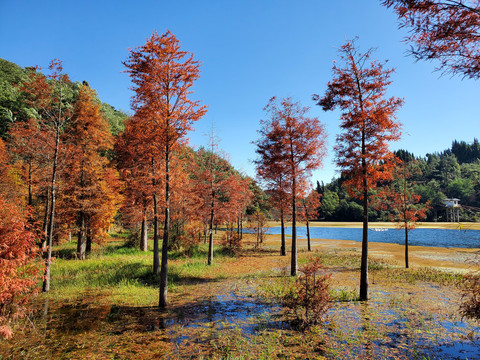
column 309, row 209
column 271, row 169
column 47, row 96
column 86, row 168
column 446, row 30
column 163, row 76
column 301, row 148
column 401, row 201
column 139, row 172
column 214, row 185
column 358, row 89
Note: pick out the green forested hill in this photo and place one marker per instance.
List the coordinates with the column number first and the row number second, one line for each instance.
column 13, row 107
column 452, row 173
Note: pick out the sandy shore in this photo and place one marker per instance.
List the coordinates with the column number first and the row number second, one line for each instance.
column 390, row 225
column 449, row 259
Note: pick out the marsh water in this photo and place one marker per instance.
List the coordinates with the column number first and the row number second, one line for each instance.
column 462, row 238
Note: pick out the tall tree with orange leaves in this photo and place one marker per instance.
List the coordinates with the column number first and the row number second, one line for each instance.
column 163, row 76
column 46, row 94
column 296, row 143
column 358, row 89
column 86, row 194
column 272, row 171
column 140, row 173
column 446, row 30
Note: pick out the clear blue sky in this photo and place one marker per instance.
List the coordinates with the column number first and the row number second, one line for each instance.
column 250, row 51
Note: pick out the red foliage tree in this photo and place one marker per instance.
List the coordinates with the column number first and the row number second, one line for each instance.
column 88, row 194
column 271, row 169
column 368, row 121
column 219, row 189
column 18, row 274
column 29, row 143
column 400, row 200
column 138, row 171
column 47, row 95
column 446, row 30
column 298, row 144
column 163, row 76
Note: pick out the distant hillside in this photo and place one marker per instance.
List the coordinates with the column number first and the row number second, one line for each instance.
column 13, row 107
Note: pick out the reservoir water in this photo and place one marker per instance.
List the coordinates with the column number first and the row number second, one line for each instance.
column 417, row 237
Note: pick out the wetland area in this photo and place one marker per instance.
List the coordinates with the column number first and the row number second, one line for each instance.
column 104, row 307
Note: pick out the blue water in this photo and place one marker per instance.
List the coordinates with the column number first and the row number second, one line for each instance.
column 416, row 237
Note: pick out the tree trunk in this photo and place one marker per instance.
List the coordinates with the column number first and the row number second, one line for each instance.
column 364, row 261
column 241, row 226
column 156, row 260
column 81, row 244
column 308, row 236
column 144, row 234
column 283, row 248
column 46, row 221
column 51, row 217
column 164, row 270
column 210, row 233
column 406, row 246
column 88, row 248
column 293, row 270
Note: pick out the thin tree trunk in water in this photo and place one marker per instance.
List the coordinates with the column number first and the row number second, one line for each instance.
column 156, row 259
column 144, row 234
column 81, row 244
column 283, row 248
column 51, row 220
column 406, row 246
column 308, row 236
column 162, row 302
column 364, row 262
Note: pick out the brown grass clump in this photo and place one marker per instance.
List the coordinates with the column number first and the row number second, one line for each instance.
column 470, row 306
column 308, row 299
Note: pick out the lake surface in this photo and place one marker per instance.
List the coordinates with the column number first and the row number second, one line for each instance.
column 416, row 237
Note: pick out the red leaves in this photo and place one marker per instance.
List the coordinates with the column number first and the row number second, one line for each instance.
column 446, row 30
column 291, row 145
column 358, row 89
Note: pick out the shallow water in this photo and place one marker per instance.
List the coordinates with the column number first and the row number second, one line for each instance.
column 416, row 237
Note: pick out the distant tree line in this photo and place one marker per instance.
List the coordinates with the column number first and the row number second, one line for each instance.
column 452, row 173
